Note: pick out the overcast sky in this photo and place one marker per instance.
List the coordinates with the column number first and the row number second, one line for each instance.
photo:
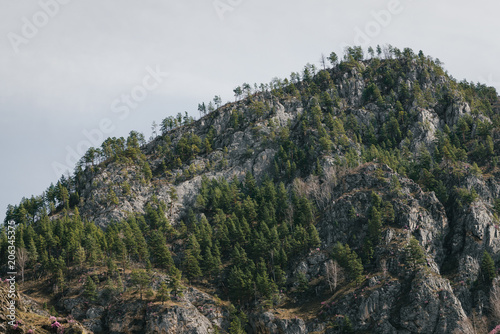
column 67, row 66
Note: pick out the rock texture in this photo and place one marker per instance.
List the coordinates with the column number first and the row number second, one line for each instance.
column 439, row 296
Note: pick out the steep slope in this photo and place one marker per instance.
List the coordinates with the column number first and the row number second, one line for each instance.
column 360, row 198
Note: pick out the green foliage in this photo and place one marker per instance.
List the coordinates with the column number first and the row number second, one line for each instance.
column 246, row 233
column 464, row 196
column 235, row 326
column 415, row 255
column 353, row 53
column 147, row 171
column 163, row 292
column 140, row 279
column 112, row 198
column 175, row 282
column 347, row 326
column 159, row 252
column 191, row 265
column 349, row 260
column 90, row 289
column 374, row 226
column 497, row 205
column 302, row 282
column 488, row 270
column 258, row 107
column 333, row 58
column 372, row 94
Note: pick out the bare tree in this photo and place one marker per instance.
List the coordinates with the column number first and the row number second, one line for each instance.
column 495, row 302
column 330, row 176
column 300, row 187
column 21, row 259
column 319, row 192
column 322, row 61
column 332, row 274
column 464, row 326
column 383, row 266
column 154, row 131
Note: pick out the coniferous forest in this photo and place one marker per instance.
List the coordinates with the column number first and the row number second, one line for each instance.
column 360, row 196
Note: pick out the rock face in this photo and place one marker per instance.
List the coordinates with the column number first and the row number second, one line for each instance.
column 26, row 314
column 245, row 152
column 267, row 323
column 415, row 211
column 435, row 291
column 413, row 303
column 177, row 320
column 194, row 312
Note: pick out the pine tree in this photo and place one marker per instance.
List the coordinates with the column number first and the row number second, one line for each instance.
column 302, row 282
column 140, row 241
column 388, row 212
column 90, row 288
column 32, row 252
column 147, row 171
column 79, row 255
column 163, row 292
column 349, row 260
column 313, row 236
column 347, row 327
column 235, row 326
column 488, row 270
column 355, row 267
column 414, row 253
column 60, row 280
column 140, row 279
column 240, row 285
column 374, row 226
column 265, row 286
column 250, row 183
column 175, row 281
column 191, row 266
column 194, row 247
column 209, row 264
column 159, row 251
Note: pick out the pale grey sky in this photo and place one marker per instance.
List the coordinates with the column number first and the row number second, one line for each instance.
column 66, row 64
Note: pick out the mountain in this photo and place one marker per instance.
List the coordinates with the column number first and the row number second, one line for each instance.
column 358, row 198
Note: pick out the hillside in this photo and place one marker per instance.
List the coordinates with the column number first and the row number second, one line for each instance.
column 359, row 198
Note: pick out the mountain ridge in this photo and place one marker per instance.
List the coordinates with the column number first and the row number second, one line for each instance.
column 375, row 178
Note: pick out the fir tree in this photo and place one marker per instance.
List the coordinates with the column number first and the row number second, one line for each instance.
column 191, row 266
column 414, row 253
column 488, row 270
column 140, row 279
column 163, row 292
column 374, row 226
column 235, row 326
column 159, row 251
column 90, row 288
column 175, row 281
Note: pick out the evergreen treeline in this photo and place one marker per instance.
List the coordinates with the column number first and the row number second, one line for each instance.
column 244, row 233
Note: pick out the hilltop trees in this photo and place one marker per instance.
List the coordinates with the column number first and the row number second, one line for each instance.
column 333, row 58
column 248, row 232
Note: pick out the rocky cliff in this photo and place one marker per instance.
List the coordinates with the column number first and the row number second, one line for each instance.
column 396, row 163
